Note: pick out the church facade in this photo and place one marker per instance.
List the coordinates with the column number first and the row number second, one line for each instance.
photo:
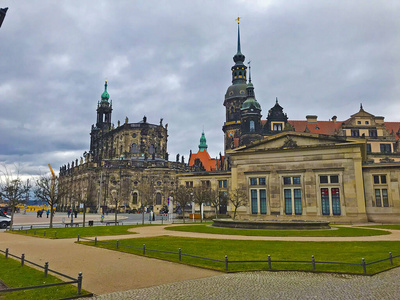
column 341, row 171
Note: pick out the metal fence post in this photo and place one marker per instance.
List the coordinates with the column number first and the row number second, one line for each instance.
column 44, row 233
column 226, row 262
column 95, row 241
column 180, row 254
column 46, row 268
column 6, row 252
column 78, row 237
column 26, row 231
column 31, row 226
column 144, row 249
column 34, row 233
column 117, row 244
column 313, row 262
column 79, row 283
column 22, row 259
column 55, row 234
column 269, row 262
column 364, row 266
column 391, row 258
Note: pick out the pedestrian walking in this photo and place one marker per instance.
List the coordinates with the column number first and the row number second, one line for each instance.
column 38, row 214
column 76, row 213
column 47, row 213
column 69, row 212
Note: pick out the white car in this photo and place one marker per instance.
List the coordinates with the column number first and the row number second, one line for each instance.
column 5, row 220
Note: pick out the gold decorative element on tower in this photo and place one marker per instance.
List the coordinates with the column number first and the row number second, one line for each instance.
column 238, row 20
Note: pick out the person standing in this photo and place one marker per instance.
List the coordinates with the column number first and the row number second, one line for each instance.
column 47, row 213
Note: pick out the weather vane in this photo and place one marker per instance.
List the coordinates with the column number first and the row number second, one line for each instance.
column 238, row 19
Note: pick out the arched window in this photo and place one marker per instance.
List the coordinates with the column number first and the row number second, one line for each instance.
column 134, row 198
column 151, row 149
column 134, row 148
column 252, row 126
column 158, row 199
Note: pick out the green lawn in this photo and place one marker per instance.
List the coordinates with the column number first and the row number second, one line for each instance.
column 391, row 226
column 65, row 233
column 335, row 231
column 13, row 275
column 348, row 252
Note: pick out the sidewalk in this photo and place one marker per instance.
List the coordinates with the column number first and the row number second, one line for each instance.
column 59, row 218
column 104, row 271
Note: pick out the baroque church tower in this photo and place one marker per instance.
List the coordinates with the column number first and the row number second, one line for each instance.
column 103, row 123
column 251, row 129
column 234, row 98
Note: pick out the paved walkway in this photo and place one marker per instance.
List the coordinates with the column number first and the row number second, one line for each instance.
column 107, row 271
column 272, row 285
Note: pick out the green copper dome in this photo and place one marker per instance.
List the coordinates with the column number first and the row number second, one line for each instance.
column 105, row 96
column 251, row 103
column 203, row 143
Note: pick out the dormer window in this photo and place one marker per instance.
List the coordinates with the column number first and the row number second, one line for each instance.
column 366, row 122
column 277, row 127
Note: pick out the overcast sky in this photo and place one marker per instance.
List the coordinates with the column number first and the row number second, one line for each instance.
column 172, row 60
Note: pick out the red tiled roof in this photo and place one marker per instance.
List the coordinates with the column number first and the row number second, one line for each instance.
column 393, row 126
column 319, row 127
column 209, row 163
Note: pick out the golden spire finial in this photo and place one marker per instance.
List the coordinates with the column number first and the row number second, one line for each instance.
column 238, row 19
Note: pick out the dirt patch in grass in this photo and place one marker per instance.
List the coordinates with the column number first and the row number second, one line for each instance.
column 2, row 285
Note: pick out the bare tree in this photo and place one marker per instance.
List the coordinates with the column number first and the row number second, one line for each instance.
column 237, row 198
column 49, row 190
column 182, row 196
column 85, row 196
column 201, row 195
column 146, row 193
column 217, row 199
column 13, row 189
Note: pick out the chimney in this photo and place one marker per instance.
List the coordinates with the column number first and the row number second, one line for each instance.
column 311, row 118
column 334, row 119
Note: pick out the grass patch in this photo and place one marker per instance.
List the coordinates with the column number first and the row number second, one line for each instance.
column 335, row 232
column 237, row 250
column 13, row 275
column 65, row 233
column 391, row 226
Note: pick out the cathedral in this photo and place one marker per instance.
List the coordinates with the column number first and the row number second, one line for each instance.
column 340, row 171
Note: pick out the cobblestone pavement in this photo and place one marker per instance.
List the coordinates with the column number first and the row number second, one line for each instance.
column 272, row 285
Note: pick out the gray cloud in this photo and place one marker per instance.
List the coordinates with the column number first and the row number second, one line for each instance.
column 172, row 59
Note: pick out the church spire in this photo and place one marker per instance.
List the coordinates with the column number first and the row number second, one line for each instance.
column 239, row 69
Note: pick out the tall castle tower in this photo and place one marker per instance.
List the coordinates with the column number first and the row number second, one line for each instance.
column 251, row 129
column 234, row 98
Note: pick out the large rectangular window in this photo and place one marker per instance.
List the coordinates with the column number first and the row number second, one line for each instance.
column 292, row 195
column 258, row 201
column 330, row 195
column 381, row 191
column 386, row 148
